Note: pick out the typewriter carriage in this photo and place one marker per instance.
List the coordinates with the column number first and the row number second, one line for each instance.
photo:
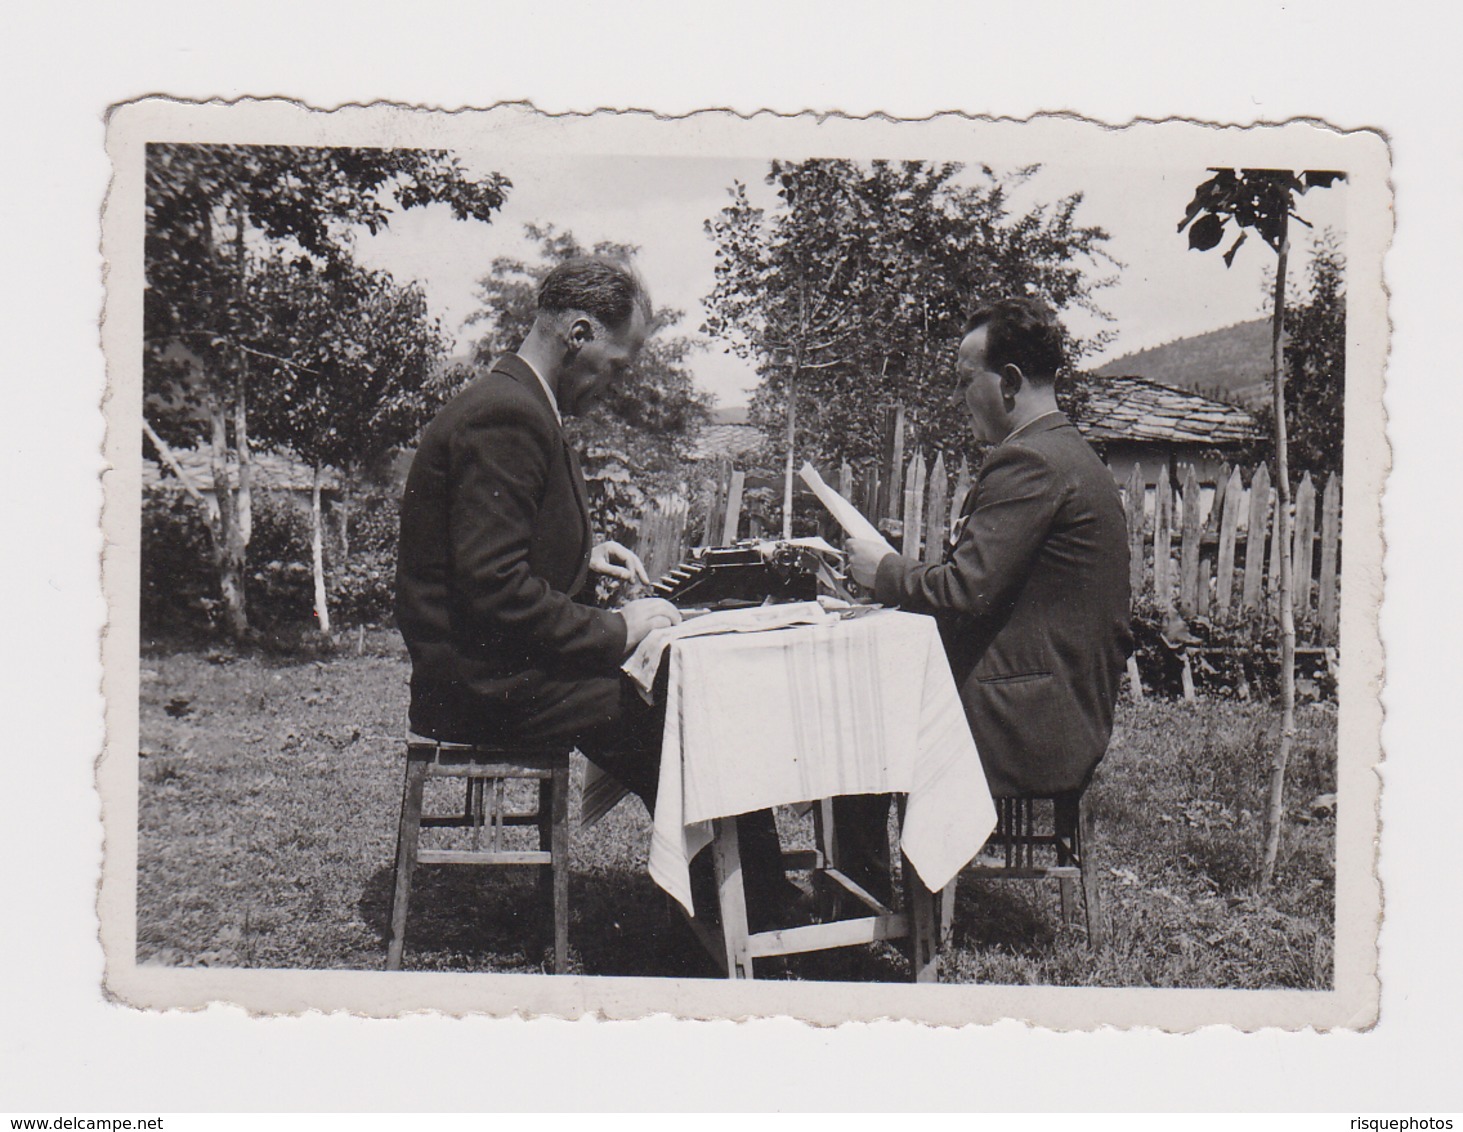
column 749, row 573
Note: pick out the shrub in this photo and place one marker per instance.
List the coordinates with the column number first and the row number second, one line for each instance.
column 1236, row 655
column 277, row 583
column 362, row 584
column 179, row 583
column 178, row 589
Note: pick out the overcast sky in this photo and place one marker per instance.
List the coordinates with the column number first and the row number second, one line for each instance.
column 1163, row 292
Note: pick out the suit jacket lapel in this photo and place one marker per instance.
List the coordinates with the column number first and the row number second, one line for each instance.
column 576, row 474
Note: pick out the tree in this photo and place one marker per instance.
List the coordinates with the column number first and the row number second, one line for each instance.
column 346, row 362
column 853, row 290
column 642, row 429
column 1315, row 364
column 209, row 209
column 1263, row 201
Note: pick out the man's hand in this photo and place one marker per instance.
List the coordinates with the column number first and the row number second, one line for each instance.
column 864, row 556
column 645, row 614
column 618, row 562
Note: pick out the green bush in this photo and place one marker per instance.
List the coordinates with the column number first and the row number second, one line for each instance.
column 1234, row 656
column 179, row 587
column 277, row 584
column 362, row 584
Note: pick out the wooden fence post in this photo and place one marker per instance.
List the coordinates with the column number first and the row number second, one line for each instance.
column 962, row 489
column 1163, row 542
column 1216, row 509
column 1228, row 528
column 1189, row 545
column 870, row 493
column 1330, row 554
column 1133, row 498
column 891, row 486
column 733, row 508
column 1305, row 544
column 914, row 505
column 663, row 535
column 1133, row 502
column 935, row 512
column 715, row 506
column 1255, row 537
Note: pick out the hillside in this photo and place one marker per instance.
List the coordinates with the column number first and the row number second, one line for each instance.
column 1232, row 364
column 734, row 415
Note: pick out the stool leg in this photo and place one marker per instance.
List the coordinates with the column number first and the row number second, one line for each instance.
column 1067, row 889
column 408, row 831
column 1091, row 886
column 727, row 857
column 1064, row 826
column 947, row 910
column 546, row 835
column 924, row 943
column 559, row 850
column 825, row 838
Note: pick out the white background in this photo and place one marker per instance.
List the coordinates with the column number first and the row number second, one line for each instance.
column 63, row 1049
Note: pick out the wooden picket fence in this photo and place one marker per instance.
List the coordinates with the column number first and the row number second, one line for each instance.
column 1202, row 548
column 661, row 543
column 1210, row 549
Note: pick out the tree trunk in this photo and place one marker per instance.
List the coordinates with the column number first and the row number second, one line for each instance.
column 245, row 502
column 228, row 543
column 792, row 415
column 344, row 505
column 168, row 457
column 241, row 379
column 1275, row 811
column 792, row 382
column 317, row 554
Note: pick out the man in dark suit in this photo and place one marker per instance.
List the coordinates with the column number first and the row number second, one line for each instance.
column 495, row 550
column 495, row 543
column 1033, row 597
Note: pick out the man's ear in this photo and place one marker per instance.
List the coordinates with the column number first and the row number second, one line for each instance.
column 1012, row 379
column 580, row 333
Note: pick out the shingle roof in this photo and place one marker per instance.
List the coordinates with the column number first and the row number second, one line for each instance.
column 1135, row 408
column 729, row 440
column 271, row 471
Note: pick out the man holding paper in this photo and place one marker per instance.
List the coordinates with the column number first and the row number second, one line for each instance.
column 1033, row 596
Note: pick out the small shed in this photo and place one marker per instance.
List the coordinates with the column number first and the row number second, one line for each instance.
column 270, row 471
column 728, row 435
column 1133, row 420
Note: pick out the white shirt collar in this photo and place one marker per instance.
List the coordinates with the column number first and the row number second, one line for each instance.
column 1015, row 432
column 549, row 393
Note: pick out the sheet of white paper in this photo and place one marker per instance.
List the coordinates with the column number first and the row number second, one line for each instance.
column 643, row 663
column 848, row 516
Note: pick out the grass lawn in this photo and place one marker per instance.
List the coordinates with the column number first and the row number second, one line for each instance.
column 270, row 784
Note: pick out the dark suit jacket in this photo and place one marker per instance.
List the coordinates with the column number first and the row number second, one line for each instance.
column 1033, row 605
column 495, row 543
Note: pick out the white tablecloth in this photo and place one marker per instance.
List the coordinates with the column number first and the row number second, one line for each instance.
column 860, row 706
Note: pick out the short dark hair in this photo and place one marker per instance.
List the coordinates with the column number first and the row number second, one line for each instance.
column 1021, row 332
column 607, row 290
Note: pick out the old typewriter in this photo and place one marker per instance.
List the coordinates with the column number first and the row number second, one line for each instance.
column 748, row 573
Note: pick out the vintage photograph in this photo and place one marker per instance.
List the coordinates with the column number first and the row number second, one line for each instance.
column 723, row 566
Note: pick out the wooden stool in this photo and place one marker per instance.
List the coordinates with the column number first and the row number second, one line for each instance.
column 1011, row 853
column 486, row 770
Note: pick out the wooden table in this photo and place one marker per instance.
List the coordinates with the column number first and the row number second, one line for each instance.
column 864, row 705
